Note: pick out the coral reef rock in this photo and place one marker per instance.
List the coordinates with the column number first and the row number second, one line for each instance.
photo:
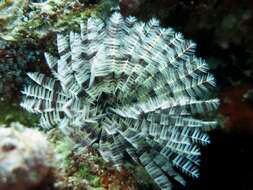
column 36, row 19
column 14, row 62
column 25, row 159
column 11, row 14
column 129, row 88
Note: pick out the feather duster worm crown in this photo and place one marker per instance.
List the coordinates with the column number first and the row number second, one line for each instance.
column 131, row 88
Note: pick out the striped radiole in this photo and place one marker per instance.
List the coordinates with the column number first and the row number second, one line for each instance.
column 132, row 88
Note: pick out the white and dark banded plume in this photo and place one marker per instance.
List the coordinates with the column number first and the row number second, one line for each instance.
column 130, row 88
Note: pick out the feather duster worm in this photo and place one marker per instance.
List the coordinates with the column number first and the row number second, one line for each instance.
column 133, row 89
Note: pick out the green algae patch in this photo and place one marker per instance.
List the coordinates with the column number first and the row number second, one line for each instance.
column 14, row 113
column 75, row 164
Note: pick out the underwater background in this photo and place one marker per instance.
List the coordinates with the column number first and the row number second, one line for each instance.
column 222, row 30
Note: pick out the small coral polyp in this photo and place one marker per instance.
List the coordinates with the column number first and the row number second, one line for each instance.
column 131, row 88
